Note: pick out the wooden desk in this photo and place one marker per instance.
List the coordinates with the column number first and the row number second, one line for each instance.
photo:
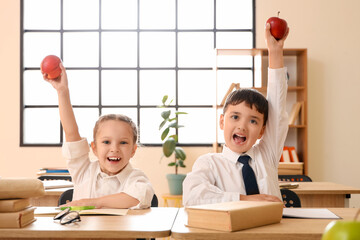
column 324, row 194
column 50, row 199
column 288, row 228
column 148, row 223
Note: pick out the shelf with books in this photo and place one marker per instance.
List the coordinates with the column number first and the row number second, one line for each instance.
column 296, row 62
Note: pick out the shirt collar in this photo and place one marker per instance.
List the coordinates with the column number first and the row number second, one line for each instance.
column 121, row 176
column 233, row 156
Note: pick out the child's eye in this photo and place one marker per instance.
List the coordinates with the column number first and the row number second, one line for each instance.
column 106, row 142
column 123, row 142
column 253, row 121
column 235, row 117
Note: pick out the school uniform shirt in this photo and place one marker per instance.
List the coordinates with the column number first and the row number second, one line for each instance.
column 217, row 177
column 90, row 182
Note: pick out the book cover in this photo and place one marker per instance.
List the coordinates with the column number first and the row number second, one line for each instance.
column 14, row 205
column 295, row 111
column 286, row 155
column 234, row 216
column 293, row 155
column 17, row 219
column 54, row 170
column 21, row 188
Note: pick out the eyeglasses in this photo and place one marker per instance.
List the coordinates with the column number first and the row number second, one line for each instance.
column 66, row 216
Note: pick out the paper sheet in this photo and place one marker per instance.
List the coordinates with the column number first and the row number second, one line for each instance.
column 321, row 213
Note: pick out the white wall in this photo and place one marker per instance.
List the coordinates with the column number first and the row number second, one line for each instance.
column 328, row 28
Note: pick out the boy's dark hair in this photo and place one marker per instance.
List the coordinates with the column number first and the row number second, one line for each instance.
column 251, row 97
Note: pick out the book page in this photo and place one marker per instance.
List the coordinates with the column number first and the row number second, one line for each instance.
column 321, row 213
column 51, row 184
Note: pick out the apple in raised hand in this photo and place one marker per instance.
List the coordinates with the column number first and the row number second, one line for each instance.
column 50, row 66
column 278, row 27
column 342, row 230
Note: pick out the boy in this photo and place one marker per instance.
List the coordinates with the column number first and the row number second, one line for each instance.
column 247, row 116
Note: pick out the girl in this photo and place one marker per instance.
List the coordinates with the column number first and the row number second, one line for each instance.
column 110, row 182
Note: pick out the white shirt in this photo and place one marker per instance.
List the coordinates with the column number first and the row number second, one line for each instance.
column 217, row 177
column 90, row 182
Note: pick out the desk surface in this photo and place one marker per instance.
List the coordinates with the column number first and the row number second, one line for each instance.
column 288, row 228
column 324, row 188
column 148, row 223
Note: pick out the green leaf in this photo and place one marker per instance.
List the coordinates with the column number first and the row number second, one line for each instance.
column 177, row 113
column 180, row 153
column 166, row 114
column 162, row 124
column 171, row 164
column 175, row 137
column 181, row 163
column 165, row 133
column 173, row 125
column 164, row 99
column 169, row 147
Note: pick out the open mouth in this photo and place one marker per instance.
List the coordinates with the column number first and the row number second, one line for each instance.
column 113, row 159
column 239, row 139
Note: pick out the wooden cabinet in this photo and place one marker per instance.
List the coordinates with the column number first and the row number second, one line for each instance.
column 232, row 69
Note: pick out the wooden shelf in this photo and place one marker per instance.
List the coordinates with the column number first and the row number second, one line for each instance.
column 296, row 62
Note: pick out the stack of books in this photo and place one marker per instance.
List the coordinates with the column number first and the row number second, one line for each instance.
column 15, row 208
column 16, row 213
column 54, row 173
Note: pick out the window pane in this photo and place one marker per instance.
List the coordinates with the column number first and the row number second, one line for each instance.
column 154, row 85
column 84, row 87
column 157, row 14
column 157, row 49
column 41, row 125
column 118, row 14
column 50, row 19
column 130, row 112
column 150, row 120
column 197, row 127
column 234, row 14
column 188, row 12
column 81, row 49
column 231, row 40
column 119, row 87
column 37, row 91
column 81, row 14
column 227, row 77
column 39, row 45
column 119, row 49
column 196, row 87
column 86, row 119
column 196, row 50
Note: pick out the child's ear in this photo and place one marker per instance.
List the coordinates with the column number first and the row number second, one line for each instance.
column 262, row 131
column 93, row 147
column 221, row 122
column 134, row 150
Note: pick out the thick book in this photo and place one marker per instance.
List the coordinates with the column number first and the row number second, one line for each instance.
column 54, row 170
column 21, row 188
column 14, row 205
column 17, row 219
column 234, row 216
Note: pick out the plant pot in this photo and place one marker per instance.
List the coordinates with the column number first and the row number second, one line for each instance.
column 175, row 183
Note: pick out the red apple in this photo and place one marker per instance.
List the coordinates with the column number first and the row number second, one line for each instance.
column 278, row 27
column 50, row 66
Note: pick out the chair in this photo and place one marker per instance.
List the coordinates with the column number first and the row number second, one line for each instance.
column 295, row 178
column 66, row 197
column 68, row 194
column 290, row 198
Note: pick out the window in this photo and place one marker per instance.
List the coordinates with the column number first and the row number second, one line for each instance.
column 122, row 56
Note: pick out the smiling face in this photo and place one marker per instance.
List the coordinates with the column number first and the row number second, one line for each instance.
column 114, row 145
column 242, row 126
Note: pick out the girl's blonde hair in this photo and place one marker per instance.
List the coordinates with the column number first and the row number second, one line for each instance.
column 118, row 117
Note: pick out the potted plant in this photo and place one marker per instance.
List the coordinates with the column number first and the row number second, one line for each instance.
column 169, row 146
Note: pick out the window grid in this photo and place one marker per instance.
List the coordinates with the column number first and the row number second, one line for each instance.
column 137, row 68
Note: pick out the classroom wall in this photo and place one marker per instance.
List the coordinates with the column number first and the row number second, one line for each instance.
column 327, row 28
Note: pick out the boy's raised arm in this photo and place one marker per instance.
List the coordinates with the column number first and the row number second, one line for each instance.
column 67, row 116
column 275, row 47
